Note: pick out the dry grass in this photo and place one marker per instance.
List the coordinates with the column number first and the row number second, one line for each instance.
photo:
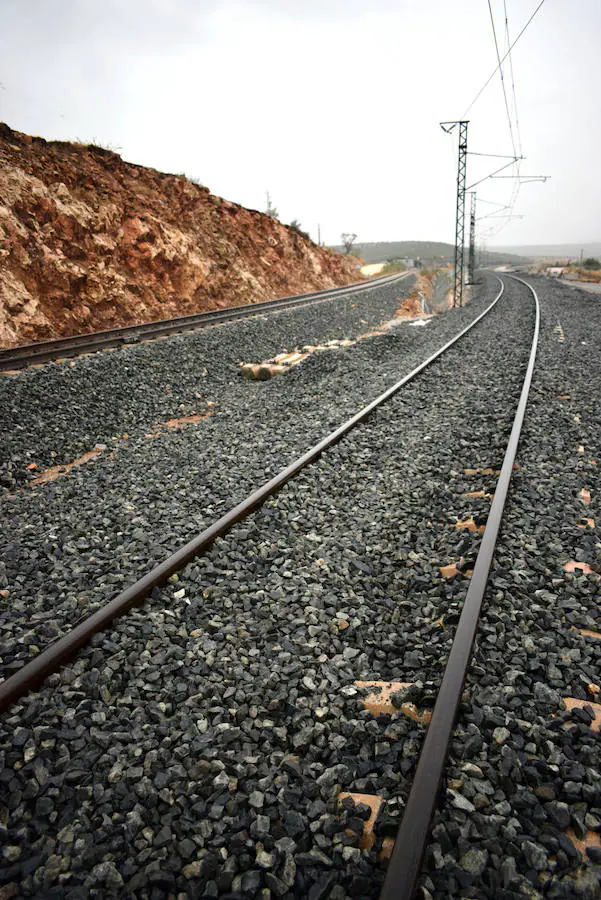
column 593, row 276
column 392, row 268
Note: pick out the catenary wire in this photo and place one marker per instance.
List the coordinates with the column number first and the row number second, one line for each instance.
column 500, row 67
column 511, row 73
column 490, row 78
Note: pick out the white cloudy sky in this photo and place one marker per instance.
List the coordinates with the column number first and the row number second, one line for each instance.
column 331, row 105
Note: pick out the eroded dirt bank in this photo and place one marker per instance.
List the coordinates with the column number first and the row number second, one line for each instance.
column 88, row 241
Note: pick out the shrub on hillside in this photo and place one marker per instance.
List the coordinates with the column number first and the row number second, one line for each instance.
column 296, row 226
column 391, row 268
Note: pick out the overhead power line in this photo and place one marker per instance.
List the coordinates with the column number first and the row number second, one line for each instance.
column 492, row 203
column 516, row 187
column 492, row 175
column 488, row 81
column 523, row 178
column 502, row 212
column 505, row 216
column 500, row 67
column 495, row 155
column 517, row 184
column 515, row 104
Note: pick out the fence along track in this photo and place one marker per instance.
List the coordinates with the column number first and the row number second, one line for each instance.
column 46, row 351
column 64, row 648
column 412, row 837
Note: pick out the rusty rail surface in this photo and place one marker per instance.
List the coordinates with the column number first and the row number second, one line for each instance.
column 414, row 831
column 65, row 647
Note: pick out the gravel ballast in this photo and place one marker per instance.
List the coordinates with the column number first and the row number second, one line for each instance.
column 199, row 748
column 533, row 772
column 75, row 542
column 65, row 408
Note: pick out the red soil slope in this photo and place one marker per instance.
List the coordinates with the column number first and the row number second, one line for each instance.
column 88, row 241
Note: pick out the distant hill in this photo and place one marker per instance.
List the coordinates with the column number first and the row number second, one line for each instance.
column 555, row 251
column 427, row 251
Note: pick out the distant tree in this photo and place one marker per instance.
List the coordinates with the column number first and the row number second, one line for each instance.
column 348, row 240
column 591, row 263
column 270, row 209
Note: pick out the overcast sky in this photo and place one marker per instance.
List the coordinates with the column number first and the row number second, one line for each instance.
column 331, row 105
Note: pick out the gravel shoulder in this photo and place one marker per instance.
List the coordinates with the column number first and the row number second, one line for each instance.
column 589, row 287
column 523, row 796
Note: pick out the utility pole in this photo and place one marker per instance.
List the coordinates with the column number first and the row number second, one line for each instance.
column 319, row 235
column 471, row 260
column 460, row 209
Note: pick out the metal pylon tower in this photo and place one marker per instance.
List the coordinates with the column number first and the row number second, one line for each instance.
column 471, row 260
column 460, row 214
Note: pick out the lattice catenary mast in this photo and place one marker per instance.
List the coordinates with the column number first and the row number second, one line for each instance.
column 471, row 259
column 460, row 210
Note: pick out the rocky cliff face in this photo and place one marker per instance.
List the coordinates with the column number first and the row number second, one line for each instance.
column 88, row 241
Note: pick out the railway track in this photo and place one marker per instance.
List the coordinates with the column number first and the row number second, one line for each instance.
column 47, row 351
column 411, row 841
column 53, row 657
column 363, row 580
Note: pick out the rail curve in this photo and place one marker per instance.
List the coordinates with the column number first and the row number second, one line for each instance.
column 47, row 351
column 410, row 844
column 65, row 647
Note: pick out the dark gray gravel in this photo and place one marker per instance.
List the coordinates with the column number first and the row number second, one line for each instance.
column 199, row 748
column 66, row 408
column 73, row 543
column 531, row 771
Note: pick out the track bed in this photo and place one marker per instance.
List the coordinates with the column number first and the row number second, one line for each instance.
column 200, row 747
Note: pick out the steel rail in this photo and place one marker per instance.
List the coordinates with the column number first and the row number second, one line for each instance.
column 46, row 351
column 65, row 647
column 414, row 830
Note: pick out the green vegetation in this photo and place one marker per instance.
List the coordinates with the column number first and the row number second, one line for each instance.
column 296, row 226
column 591, row 263
column 192, row 178
column 392, row 268
column 95, row 144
